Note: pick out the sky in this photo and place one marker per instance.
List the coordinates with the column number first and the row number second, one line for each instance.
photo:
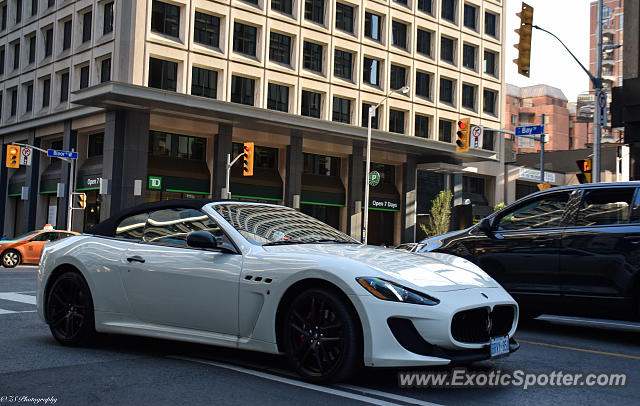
column 551, row 64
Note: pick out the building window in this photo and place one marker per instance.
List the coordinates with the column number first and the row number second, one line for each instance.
column 448, row 10
column 446, row 90
column 371, row 71
column 95, row 145
column 489, row 105
column 487, row 140
column 341, row 110
column 278, row 97
column 163, row 74
column 403, row 2
column 284, row 6
column 489, row 63
column 396, row 121
column 372, row 26
column 399, row 34
column 342, row 64
column 64, row 87
column 3, row 23
column 51, row 3
column 280, row 48
column 29, row 105
column 84, row 77
column 159, row 143
column 514, row 120
column 48, row 42
column 490, row 20
column 191, row 147
column 468, row 96
column 86, row 27
column 32, row 49
column 398, row 77
column 165, row 19
column 2, row 56
column 242, row 90
column 425, row 6
column 423, row 85
column 66, row 35
column 469, row 56
column 107, row 23
column 365, row 116
column 311, row 106
column 14, row 101
column 312, row 57
column 204, row 82
column 344, row 17
column 470, row 17
column 314, row 10
column 46, row 92
column 105, row 70
column 244, row 39
column 444, row 130
column 18, row 11
column 321, row 165
column 446, row 49
column 16, row 55
column 206, row 29
column 422, row 126
column 423, row 45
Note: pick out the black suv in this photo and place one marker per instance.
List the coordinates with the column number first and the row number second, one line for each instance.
column 572, row 250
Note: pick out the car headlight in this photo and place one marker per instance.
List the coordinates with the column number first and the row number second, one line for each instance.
column 386, row 290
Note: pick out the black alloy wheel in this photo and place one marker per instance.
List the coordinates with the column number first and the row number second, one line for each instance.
column 70, row 310
column 321, row 337
column 11, row 259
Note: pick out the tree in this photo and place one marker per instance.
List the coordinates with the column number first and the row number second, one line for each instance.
column 440, row 214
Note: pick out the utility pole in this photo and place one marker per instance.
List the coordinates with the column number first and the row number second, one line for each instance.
column 598, row 89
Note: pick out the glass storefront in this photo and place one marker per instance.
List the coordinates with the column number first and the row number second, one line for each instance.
column 265, row 185
column 384, row 203
column 323, row 193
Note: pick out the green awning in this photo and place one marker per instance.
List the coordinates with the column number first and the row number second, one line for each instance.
column 322, row 190
column 265, row 184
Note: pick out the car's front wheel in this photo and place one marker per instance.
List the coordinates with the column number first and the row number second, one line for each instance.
column 11, row 259
column 70, row 310
column 322, row 338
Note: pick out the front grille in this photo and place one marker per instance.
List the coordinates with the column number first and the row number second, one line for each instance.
column 478, row 325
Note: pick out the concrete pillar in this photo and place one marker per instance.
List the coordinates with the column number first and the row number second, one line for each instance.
column 356, row 190
column 293, row 181
column 32, row 181
column 126, row 144
column 409, row 199
column 69, row 141
column 222, row 146
column 4, row 184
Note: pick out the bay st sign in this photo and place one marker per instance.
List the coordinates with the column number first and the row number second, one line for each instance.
column 62, row 154
column 530, row 130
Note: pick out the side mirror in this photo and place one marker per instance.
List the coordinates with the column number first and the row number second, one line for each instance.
column 485, row 227
column 201, row 239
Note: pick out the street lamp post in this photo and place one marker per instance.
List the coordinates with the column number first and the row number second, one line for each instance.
column 372, row 110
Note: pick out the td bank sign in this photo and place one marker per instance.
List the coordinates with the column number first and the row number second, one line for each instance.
column 155, row 183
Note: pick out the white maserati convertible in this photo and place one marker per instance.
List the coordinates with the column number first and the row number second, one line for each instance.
column 269, row 278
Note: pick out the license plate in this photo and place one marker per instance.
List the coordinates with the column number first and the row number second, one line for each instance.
column 499, row 346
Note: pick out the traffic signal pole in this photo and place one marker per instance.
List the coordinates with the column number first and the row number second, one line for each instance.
column 227, row 191
column 595, row 170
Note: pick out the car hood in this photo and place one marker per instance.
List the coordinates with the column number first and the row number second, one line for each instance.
column 432, row 271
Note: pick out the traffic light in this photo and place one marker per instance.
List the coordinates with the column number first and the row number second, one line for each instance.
column 81, row 200
column 584, row 166
column 247, row 159
column 524, row 46
column 13, row 152
column 462, row 141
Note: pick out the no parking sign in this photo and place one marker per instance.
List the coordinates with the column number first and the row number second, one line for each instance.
column 476, row 136
column 25, row 156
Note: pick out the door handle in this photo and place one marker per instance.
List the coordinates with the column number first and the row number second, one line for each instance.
column 633, row 239
column 136, row 258
column 541, row 242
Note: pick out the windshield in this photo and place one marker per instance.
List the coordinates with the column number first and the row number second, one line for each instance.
column 269, row 225
column 23, row 236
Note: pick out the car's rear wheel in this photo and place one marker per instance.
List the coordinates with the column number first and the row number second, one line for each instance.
column 321, row 337
column 70, row 310
column 11, row 258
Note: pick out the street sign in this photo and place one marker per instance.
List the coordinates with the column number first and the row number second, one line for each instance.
column 62, row 154
column 476, row 136
column 602, row 108
column 374, row 178
column 25, row 156
column 530, row 130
